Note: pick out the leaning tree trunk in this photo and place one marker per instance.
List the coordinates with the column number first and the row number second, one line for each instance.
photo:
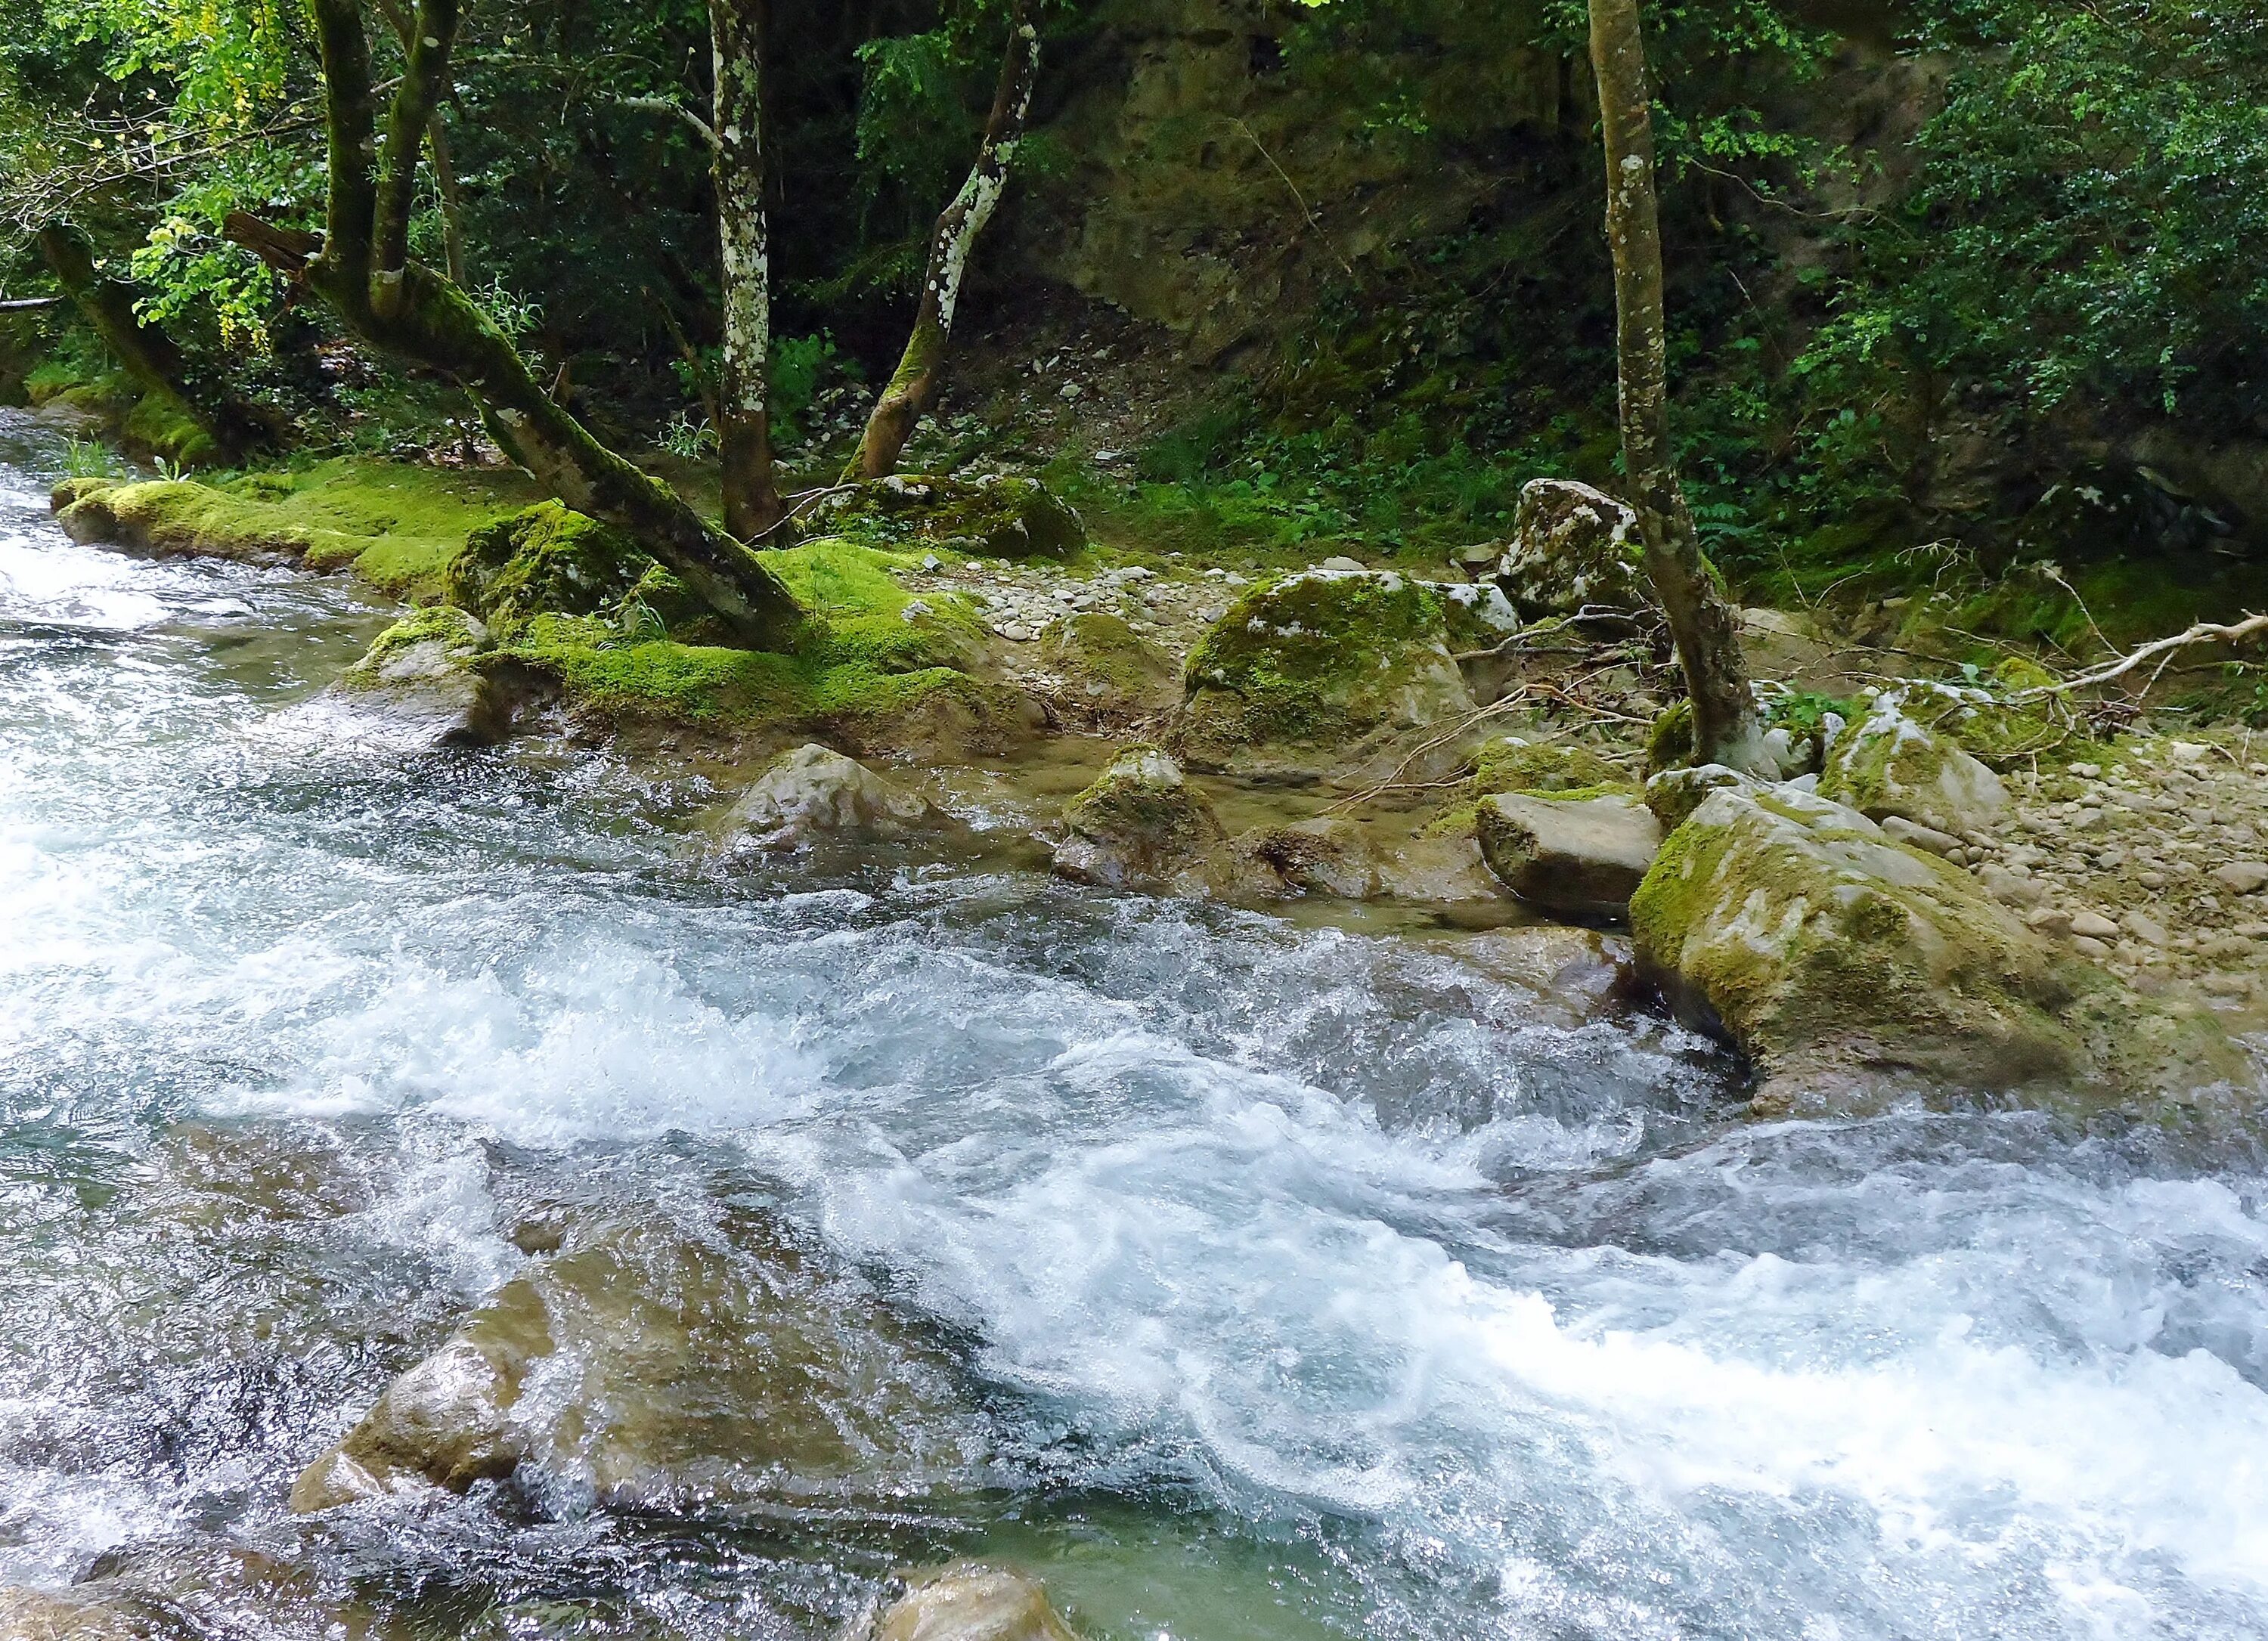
column 914, row 385
column 148, row 354
column 1726, row 727
column 360, row 266
column 736, row 37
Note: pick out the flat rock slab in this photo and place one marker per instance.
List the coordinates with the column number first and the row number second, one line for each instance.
column 1576, row 856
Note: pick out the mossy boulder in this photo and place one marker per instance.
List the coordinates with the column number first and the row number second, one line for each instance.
column 547, row 557
column 1105, row 669
column 180, row 518
column 1886, row 763
column 1513, row 764
column 997, row 518
column 1302, row 672
column 743, row 1368
column 1142, row 826
column 435, row 679
column 1669, row 742
column 1574, row 549
column 1995, row 730
column 1846, row 967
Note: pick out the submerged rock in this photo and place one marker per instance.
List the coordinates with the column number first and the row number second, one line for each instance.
column 177, row 1589
column 1889, row 764
column 1576, row 857
column 1837, row 960
column 1141, row 826
column 1573, row 549
column 434, row 681
column 968, row 1601
column 644, row 1366
column 1301, row 672
column 815, row 792
column 998, row 518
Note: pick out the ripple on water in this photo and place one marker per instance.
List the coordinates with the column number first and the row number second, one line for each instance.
column 1308, row 1283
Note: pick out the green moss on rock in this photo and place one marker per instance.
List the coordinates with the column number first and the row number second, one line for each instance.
column 1886, row 763
column 1314, row 661
column 998, row 518
column 1669, row 743
column 1844, row 965
column 547, row 557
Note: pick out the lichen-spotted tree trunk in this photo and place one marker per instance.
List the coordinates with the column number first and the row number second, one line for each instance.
column 1726, row 726
column 913, row 386
column 744, row 431
column 360, row 266
column 148, row 354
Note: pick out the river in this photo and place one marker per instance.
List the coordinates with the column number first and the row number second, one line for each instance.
column 1294, row 1282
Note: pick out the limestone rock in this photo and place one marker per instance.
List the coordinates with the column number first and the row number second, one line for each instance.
column 643, row 1366
column 1674, row 794
column 1141, row 826
column 1573, row 548
column 173, row 1589
column 1301, row 671
column 1889, row 764
column 1840, row 961
column 815, row 792
column 431, row 680
column 2242, row 877
column 1576, row 856
column 969, row 1602
column 1579, row 971
column 1320, row 856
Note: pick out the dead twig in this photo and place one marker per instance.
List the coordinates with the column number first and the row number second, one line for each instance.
column 1393, row 782
column 2203, row 632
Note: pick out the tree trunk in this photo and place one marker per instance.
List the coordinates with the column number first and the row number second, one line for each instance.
column 913, row 386
column 148, row 354
column 358, row 266
column 1726, row 726
column 736, row 35
column 453, row 199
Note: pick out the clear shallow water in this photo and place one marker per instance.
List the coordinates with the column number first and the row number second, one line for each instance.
column 1301, row 1284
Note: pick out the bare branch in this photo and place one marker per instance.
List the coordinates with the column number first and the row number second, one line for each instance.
column 2203, row 632
column 671, row 106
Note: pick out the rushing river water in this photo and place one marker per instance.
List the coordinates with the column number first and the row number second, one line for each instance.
column 1290, row 1283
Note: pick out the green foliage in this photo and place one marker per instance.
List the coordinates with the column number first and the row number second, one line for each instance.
column 2088, row 209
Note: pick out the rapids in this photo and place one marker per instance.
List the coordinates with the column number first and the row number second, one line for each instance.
column 1298, row 1282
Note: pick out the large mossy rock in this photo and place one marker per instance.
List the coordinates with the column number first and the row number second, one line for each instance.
column 645, row 1367
column 180, row 518
column 1887, row 763
column 1573, row 549
column 968, row 1601
column 1142, row 826
column 434, row 679
column 1107, row 670
column 1302, row 672
column 1845, row 966
column 997, row 518
column 547, row 557
column 1572, row 854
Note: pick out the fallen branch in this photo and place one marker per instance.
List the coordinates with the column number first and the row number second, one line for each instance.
column 2203, row 632
column 14, row 305
column 1393, row 782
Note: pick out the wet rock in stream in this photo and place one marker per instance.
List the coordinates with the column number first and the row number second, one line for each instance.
column 645, row 1367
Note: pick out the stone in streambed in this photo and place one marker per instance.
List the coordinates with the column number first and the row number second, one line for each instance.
column 968, row 1601
column 645, row 1365
column 1320, row 671
column 1142, row 826
column 547, row 557
column 1842, row 963
column 1888, row 764
column 1575, row 857
column 433, row 680
column 815, row 792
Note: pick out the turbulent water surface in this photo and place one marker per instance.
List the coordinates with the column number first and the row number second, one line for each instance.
column 1286, row 1283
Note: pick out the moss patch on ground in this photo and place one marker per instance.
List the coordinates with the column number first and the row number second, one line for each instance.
column 394, row 525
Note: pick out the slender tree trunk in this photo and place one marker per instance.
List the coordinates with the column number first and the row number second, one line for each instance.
column 360, row 266
column 736, row 35
column 913, row 386
column 1726, row 726
column 453, row 199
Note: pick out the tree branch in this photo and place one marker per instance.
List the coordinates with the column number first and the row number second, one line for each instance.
column 2203, row 632
column 423, row 86
column 671, row 106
